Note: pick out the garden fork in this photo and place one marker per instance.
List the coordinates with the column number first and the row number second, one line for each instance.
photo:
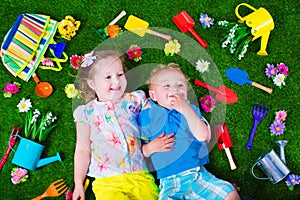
column 258, row 113
column 56, row 188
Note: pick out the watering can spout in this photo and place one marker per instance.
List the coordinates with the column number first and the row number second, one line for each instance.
column 48, row 160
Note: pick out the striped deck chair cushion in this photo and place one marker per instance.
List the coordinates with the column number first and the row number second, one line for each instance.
column 26, row 42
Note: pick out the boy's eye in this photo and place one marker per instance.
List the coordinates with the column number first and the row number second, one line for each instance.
column 108, row 77
column 166, row 86
column 120, row 74
column 180, row 85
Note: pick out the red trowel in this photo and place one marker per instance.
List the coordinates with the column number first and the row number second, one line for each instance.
column 185, row 23
column 222, row 93
column 222, row 136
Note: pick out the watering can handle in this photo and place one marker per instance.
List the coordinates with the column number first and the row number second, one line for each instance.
column 237, row 11
column 252, row 173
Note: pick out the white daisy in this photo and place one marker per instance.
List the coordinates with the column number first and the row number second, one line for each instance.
column 202, row 66
column 24, row 105
column 279, row 79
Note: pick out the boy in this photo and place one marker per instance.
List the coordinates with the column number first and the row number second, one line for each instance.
column 179, row 165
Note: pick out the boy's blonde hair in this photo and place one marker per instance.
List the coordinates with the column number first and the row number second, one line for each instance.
column 86, row 73
column 160, row 68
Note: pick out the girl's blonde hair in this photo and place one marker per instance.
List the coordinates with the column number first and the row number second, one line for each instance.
column 86, row 73
column 160, row 68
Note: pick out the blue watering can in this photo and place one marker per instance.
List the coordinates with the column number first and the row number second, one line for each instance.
column 28, row 155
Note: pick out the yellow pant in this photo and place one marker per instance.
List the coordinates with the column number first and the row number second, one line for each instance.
column 131, row 186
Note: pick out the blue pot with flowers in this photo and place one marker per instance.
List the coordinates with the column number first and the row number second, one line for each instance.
column 37, row 128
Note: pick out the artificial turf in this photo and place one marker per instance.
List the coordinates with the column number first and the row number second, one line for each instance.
column 282, row 48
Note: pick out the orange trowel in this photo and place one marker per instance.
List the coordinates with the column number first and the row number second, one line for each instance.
column 140, row 27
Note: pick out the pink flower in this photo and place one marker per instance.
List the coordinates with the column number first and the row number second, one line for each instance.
column 115, row 140
column 19, row 175
column 208, row 103
column 47, row 62
column 283, row 69
column 280, row 115
column 134, row 53
column 11, row 88
column 75, row 61
column 69, row 195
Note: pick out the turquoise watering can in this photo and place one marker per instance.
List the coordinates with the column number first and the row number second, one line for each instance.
column 28, row 155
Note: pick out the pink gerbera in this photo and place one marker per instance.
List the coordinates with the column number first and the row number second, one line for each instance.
column 11, row 88
column 283, row 69
column 280, row 115
column 208, row 103
column 134, row 53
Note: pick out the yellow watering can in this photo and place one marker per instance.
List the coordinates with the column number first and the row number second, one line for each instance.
column 261, row 22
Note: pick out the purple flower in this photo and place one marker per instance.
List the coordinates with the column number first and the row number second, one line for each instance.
column 206, row 21
column 283, row 69
column 277, row 128
column 292, row 180
column 271, row 71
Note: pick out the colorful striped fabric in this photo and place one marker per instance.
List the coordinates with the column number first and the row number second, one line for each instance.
column 26, row 42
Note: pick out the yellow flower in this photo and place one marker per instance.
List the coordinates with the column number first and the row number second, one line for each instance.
column 68, row 27
column 71, row 91
column 173, row 46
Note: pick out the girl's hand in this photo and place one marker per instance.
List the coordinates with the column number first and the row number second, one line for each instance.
column 78, row 193
column 160, row 144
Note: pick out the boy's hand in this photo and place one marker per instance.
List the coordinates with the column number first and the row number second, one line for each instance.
column 178, row 103
column 160, row 144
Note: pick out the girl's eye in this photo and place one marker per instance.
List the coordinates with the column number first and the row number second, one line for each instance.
column 108, row 77
column 180, row 85
column 120, row 74
column 166, row 86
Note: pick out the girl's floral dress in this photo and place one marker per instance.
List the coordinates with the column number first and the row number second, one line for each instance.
column 115, row 137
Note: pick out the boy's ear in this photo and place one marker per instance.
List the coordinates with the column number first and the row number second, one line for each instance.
column 91, row 84
column 152, row 95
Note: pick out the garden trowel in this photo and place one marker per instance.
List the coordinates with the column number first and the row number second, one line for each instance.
column 241, row 77
column 140, row 27
column 222, row 93
column 185, row 23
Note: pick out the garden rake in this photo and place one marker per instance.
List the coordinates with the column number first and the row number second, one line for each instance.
column 258, row 113
column 56, row 188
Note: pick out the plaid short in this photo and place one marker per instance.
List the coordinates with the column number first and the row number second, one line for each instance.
column 196, row 183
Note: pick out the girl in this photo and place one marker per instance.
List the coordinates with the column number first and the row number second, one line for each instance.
column 108, row 145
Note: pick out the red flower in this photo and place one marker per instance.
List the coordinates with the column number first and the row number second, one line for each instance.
column 76, row 61
column 134, row 53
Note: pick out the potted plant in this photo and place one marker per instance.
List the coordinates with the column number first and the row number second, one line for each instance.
column 37, row 128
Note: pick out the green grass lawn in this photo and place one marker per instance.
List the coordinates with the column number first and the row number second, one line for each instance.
column 283, row 46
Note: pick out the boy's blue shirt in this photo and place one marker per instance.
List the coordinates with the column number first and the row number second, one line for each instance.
column 188, row 152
